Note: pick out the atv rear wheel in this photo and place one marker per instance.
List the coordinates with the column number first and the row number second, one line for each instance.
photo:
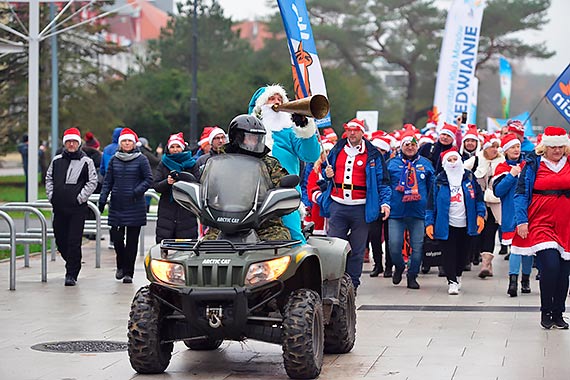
column 206, row 344
column 303, row 334
column 146, row 353
column 340, row 333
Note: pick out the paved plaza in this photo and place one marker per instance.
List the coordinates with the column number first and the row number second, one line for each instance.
column 401, row 334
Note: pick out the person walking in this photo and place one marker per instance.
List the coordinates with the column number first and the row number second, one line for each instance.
column 542, row 201
column 357, row 193
column 128, row 177
column 71, row 178
column 455, row 212
column 174, row 221
column 108, row 153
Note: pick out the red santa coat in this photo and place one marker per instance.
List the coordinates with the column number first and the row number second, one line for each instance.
column 314, row 193
column 350, row 176
column 548, row 222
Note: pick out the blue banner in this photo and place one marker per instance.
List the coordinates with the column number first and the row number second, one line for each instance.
column 559, row 94
column 495, row 124
column 505, row 74
column 308, row 76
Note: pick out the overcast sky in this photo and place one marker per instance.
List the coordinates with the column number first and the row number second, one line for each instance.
column 554, row 33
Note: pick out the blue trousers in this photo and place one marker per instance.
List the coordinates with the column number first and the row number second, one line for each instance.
column 293, row 223
column 515, row 264
column 344, row 219
column 554, row 272
column 396, row 228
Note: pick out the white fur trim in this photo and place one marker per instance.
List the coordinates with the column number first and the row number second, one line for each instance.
column 529, row 251
column 316, row 195
column 328, row 146
column 506, row 241
column 306, row 132
column 510, row 144
column 216, row 131
column 561, row 140
column 72, row 137
column 381, row 144
column 127, row 136
column 449, row 154
column 270, row 91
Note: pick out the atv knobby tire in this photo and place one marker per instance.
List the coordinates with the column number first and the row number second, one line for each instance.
column 146, row 353
column 206, row 344
column 340, row 333
column 303, row 334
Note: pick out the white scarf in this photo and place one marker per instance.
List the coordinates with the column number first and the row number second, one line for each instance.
column 454, row 171
column 554, row 166
column 352, row 151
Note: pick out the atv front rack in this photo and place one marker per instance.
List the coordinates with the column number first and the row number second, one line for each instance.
column 223, row 246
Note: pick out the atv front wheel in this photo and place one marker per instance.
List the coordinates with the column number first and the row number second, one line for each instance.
column 206, row 344
column 303, row 334
column 340, row 333
column 146, row 353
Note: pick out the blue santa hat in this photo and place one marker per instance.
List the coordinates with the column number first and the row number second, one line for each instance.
column 261, row 96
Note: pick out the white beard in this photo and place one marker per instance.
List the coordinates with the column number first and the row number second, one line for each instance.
column 275, row 121
column 454, row 171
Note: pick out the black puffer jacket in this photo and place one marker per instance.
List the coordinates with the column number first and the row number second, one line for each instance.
column 174, row 221
column 127, row 181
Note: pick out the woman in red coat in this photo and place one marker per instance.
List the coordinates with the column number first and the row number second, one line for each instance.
column 314, row 191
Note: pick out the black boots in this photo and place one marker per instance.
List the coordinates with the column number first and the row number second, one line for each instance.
column 69, row 280
column 525, row 283
column 412, row 283
column 377, row 270
column 397, row 277
column 513, row 283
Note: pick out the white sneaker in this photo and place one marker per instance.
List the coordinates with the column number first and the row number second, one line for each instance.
column 458, row 282
column 453, row 288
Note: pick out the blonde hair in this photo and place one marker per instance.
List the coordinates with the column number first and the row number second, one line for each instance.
column 540, row 149
column 492, row 145
column 319, row 162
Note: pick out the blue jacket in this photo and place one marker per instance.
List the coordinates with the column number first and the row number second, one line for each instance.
column 437, row 212
column 425, row 176
column 523, row 190
column 527, row 146
column 109, row 151
column 127, row 181
column 378, row 190
column 504, row 188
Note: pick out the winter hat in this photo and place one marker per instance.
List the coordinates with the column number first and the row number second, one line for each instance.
column 490, row 140
column 408, row 136
column 381, row 140
column 129, row 134
column 327, row 145
column 91, row 141
column 448, row 153
column 204, row 137
column 508, row 141
column 330, row 134
column 471, row 133
column 355, row 124
column 555, row 136
column 177, row 138
column 426, row 139
column 448, row 129
column 214, row 132
column 261, row 96
column 72, row 134
column 515, row 126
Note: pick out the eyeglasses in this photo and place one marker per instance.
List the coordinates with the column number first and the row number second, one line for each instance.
column 409, row 143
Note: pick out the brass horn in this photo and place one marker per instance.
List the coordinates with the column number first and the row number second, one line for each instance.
column 316, row 106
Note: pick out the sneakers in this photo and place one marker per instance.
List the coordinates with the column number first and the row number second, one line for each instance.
column 397, row 277
column 546, row 320
column 69, row 280
column 559, row 322
column 119, row 274
column 127, row 279
column 453, row 288
column 458, row 282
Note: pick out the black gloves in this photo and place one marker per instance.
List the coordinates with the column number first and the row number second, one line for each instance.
column 101, row 207
column 300, row 120
column 322, row 185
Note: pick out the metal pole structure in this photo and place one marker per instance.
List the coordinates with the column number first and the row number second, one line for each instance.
column 194, row 96
column 33, row 100
column 54, row 87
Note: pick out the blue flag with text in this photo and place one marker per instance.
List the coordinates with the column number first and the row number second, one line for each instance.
column 559, row 94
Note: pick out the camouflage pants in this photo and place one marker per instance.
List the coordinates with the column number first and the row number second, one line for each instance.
column 271, row 230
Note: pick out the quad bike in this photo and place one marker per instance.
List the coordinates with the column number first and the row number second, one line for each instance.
column 236, row 287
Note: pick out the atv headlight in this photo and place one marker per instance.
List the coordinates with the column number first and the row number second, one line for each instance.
column 165, row 271
column 266, row 271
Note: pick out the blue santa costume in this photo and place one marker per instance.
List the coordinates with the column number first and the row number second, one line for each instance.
column 289, row 143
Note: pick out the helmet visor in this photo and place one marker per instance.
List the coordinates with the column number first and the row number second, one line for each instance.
column 253, row 142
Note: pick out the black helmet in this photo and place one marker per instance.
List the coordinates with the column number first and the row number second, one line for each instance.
column 248, row 133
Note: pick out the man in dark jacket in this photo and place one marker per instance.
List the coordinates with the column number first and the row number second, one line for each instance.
column 445, row 141
column 71, row 178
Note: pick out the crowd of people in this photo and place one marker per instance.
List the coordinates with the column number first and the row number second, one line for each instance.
column 454, row 187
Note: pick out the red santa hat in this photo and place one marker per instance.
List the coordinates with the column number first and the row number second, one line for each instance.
column 177, row 138
column 355, row 124
column 330, row 134
column 408, row 136
column 508, row 141
column 515, row 126
column 448, row 129
column 555, row 136
column 204, row 137
column 381, row 140
column 426, row 139
column 129, row 134
column 214, row 132
column 327, row 145
column 448, row 153
column 490, row 140
column 72, row 134
column 471, row 133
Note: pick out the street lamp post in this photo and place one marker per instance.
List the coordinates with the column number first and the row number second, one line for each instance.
column 194, row 63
